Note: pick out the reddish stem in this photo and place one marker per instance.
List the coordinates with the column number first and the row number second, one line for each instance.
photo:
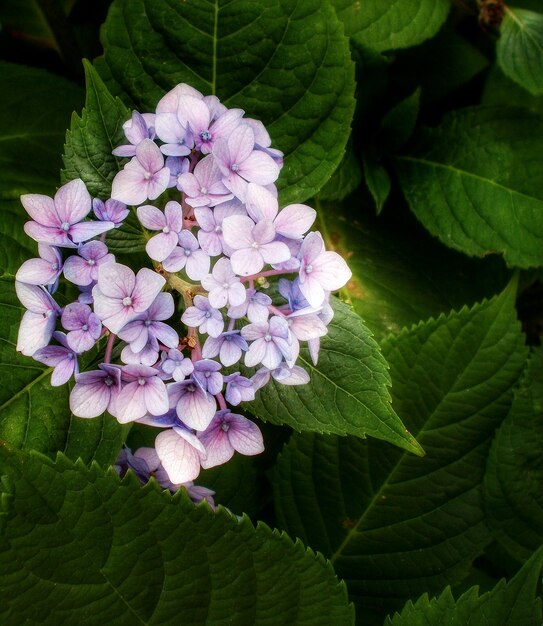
column 109, row 347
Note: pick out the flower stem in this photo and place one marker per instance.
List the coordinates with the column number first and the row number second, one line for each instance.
column 109, row 347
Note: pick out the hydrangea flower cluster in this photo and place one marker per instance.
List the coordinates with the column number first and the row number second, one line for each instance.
column 250, row 280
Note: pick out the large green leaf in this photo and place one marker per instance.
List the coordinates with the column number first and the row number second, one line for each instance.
column 474, row 182
column 400, row 273
column 380, row 514
column 79, row 545
column 33, row 120
column 285, row 62
column 34, row 415
column 520, row 48
column 392, row 25
column 514, row 478
column 348, row 392
column 507, row 604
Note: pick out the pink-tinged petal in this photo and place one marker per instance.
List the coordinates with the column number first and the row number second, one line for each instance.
column 256, row 352
column 221, row 154
column 312, row 291
column 176, row 261
column 166, row 334
column 210, row 242
column 331, row 270
column 214, row 327
column 275, row 252
column 196, row 409
column 163, row 307
column 217, row 298
column 168, row 128
column 306, row 327
column 170, row 102
column 63, row 372
column 236, row 294
column 41, row 209
column 151, row 217
column 89, row 400
column 149, row 155
column 35, row 332
column 36, row 272
column 77, row 271
column 118, row 320
column 75, row 315
column 273, row 356
column 245, row 436
column 35, row 298
column 45, row 234
column 261, row 204
column 188, row 183
column 197, row 265
column 264, row 232
column 130, row 185
column 226, row 123
column 312, row 247
column 116, row 280
column 204, row 217
column 148, row 286
column 218, row 448
column 236, row 185
column 240, row 144
column 179, row 459
column 295, row 220
column 230, row 353
column 174, row 215
column 136, row 334
column 259, row 168
column 86, row 230
column 161, row 246
column 130, row 403
column 156, row 396
column 298, row 376
column 73, row 202
column 247, row 262
column 255, row 331
column 195, row 112
column 158, row 183
column 80, row 341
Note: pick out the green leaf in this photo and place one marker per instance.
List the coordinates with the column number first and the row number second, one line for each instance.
column 519, row 50
column 78, row 542
column 507, row 604
column 33, row 119
column 378, row 181
column 474, row 182
column 400, row 273
column 345, row 179
column 348, row 392
column 285, row 62
column 398, row 124
column 34, row 415
column 385, row 26
column 380, row 514
column 92, row 137
column 501, row 90
column 514, row 478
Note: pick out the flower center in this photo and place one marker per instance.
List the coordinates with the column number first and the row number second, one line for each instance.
column 141, row 381
column 54, row 267
column 147, row 323
column 205, row 135
column 187, row 252
column 65, row 226
column 218, row 229
column 308, row 269
column 234, row 167
column 147, row 175
column 203, row 191
column 267, row 337
column 226, row 286
column 166, row 229
column 207, row 314
column 91, row 262
column 225, row 427
column 85, row 327
column 108, row 381
column 127, row 301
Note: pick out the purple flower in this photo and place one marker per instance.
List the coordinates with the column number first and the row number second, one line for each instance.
column 290, row 290
column 207, row 376
column 38, row 323
column 238, row 389
column 204, row 317
column 210, row 223
column 143, row 178
column 175, row 365
column 189, row 256
column 227, row 433
column 82, row 268
column 194, row 406
column 283, row 374
column 170, row 223
column 223, row 285
column 255, row 307
column 254, row 244
column 179, row 452
column 148, row 328
column 177, row 166
column 305, row 324
column 198, row 115
column 270, row 342
column 120, row 296
column 320, row 271
column 178, row 140
column 94, row 391
column 62, row 358
column 204, row 187
column 229, row 346
column 241, row 164
column 110, row 211
column 136, row 129
column 42, row 271
column 143, row 392
column 58, row 221
column 84, row 326
column 325, row 315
